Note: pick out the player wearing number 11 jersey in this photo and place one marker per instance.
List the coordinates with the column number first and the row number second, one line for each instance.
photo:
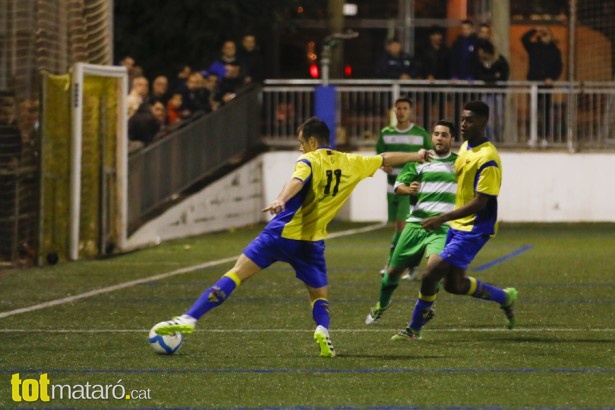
column 320, row 184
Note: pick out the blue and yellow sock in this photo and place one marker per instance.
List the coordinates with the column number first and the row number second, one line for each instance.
column 320, row 312
column 421, row 309
column 482, row 290
column 215, row 295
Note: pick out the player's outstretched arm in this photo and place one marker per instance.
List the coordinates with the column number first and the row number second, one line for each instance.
column 291, row 188
column 398, row 158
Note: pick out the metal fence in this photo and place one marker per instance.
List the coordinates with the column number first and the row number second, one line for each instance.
column 161, row 171
column 573, row 116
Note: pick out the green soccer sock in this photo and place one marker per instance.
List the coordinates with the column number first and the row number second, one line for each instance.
column 387, row 287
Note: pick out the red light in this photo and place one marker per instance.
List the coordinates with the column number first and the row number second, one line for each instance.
column 347, row 70
column 299, row 10
column 314, row 71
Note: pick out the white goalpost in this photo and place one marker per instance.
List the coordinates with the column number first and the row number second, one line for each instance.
column 80, row 72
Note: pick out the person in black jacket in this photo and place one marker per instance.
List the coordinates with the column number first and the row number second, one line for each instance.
column 395, row 64
column 464, row 53
column 464, row 61
column 492, row 68
column 545, row 65
column 435, row 65
column 252, row 58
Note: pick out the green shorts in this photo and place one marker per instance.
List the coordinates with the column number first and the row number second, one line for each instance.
column 399, row 207
column 415, row 242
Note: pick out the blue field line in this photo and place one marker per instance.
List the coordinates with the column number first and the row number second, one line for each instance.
column 504, row 258
column 312, row 371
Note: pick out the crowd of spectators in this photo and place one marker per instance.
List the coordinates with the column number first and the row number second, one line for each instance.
column 169, row 103
column 463, row 59
column 437, row 61
column 473, row 56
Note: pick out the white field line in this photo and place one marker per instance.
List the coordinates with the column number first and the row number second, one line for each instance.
column 154, row 278
column 333, row 330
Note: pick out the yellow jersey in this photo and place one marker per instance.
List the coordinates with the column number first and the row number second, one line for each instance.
column 478, row 169
column 328, row 177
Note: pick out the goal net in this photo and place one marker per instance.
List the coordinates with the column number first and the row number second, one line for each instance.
column 83, row 201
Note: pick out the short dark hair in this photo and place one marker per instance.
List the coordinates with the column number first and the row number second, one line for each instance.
column 477, row 107
column 403, row 99
column 487, row 47
column 450, row 125
column 468, row 21
column 317, row 128
column 436, row 30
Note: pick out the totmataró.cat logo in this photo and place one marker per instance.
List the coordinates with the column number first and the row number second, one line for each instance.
column 42, row 389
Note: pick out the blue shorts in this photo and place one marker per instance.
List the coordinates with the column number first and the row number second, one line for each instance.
column 306, row 257
column 461, row 247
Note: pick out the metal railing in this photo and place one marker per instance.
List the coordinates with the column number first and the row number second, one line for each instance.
column 164, row 169
column 523, row 114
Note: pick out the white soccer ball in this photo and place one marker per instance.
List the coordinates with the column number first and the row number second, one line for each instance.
column 165, row 344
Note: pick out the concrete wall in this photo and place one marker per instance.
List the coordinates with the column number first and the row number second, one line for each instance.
column 233, row 201
column 537, row 187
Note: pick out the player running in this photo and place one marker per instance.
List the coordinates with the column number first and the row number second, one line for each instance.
column 433, row 187
column 473, row 221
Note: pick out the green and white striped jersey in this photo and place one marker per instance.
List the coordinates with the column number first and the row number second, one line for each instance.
column 438, row 186
column 409, row 140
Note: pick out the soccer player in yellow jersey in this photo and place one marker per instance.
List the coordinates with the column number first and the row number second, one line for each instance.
column 320, row 184
column 473, row 222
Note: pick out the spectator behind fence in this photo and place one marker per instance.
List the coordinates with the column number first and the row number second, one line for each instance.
column 545, row 65
column 395, row 64
column 485, row 33
column 174, row 108
column 143, row 125
column 159, row 111
column 215, row 98
column 131, row 68
column 179, row 84
column 435, row 65
column 436, row 57
column 252, row 59
column 228, row 68
column 493, row 67
column 137, row 95
column 464, row 57
column 464, row 62
column 196, row 97
column 160, row 90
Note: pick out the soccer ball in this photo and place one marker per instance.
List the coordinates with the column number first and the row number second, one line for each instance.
column 165, row 344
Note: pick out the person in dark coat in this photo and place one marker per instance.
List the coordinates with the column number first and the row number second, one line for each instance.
column 492, row 68
column 435, row 65
column 395, row 64
column 545, row 65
